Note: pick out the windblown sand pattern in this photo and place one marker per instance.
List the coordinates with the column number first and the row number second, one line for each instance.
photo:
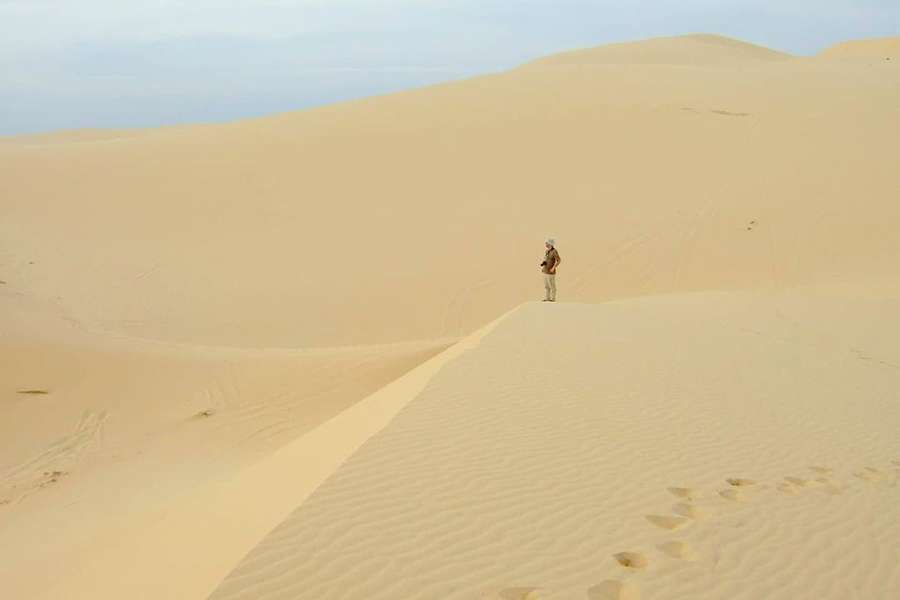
column 542, row 458
column 238, row 360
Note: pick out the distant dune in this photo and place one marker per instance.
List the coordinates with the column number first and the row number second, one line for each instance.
column 418, row 215
column 71, row 136
column 882, row 48
column 697, row 49
column 319, row 324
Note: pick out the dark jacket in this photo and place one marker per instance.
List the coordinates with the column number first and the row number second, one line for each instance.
column 551, row 261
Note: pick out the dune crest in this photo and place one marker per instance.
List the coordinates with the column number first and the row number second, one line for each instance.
column 544, row 459
column 696, row 49
column 388, row 219
column 887, row 48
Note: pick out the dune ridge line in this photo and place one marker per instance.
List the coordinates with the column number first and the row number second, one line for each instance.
column 228, row 512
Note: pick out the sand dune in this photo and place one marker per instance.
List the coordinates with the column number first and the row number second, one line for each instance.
column 71, row 136
column 430, row 205
column 206, row 331
column 709, row 445
column 692, row 50
column 126, row 436
column 882, row 48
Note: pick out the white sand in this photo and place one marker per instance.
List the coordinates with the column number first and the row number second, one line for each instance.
column 727, row 219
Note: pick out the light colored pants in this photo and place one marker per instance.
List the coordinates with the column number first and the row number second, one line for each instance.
column 549, row 286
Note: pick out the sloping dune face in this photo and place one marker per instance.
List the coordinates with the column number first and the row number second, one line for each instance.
column 422, row 214
column 117, row 453
column 881, row 48
column 616, row 451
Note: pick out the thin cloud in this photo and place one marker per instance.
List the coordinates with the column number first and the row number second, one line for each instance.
column 71, row 64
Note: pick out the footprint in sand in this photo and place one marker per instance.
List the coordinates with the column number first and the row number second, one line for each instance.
column 729, row 113
column 631, row 560
column 666, row 522
column 798, row 482
column 832, row 488
column 683, row 492
column 828, row 486
column 614, row 590
column 51, row 477
column 739, row 482
column 794, row 485
column 736, row 483
column 787, row 488
column 517, row 593
column 870, row 474
column 679, row 550
column 688, row 510
column 822, row 472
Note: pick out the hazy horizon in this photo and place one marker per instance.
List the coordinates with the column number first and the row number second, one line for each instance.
column 103, row 65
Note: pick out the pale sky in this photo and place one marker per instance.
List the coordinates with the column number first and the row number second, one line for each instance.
column 133, row 63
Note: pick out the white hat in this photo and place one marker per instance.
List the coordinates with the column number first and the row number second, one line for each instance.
column 551, row 242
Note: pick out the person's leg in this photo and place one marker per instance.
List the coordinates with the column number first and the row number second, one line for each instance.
column 552, row 288
column 547, row 290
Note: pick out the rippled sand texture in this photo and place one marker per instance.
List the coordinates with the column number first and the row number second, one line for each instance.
column 697, row 446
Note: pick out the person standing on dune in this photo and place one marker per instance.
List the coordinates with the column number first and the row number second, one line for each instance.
column 548, row 268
